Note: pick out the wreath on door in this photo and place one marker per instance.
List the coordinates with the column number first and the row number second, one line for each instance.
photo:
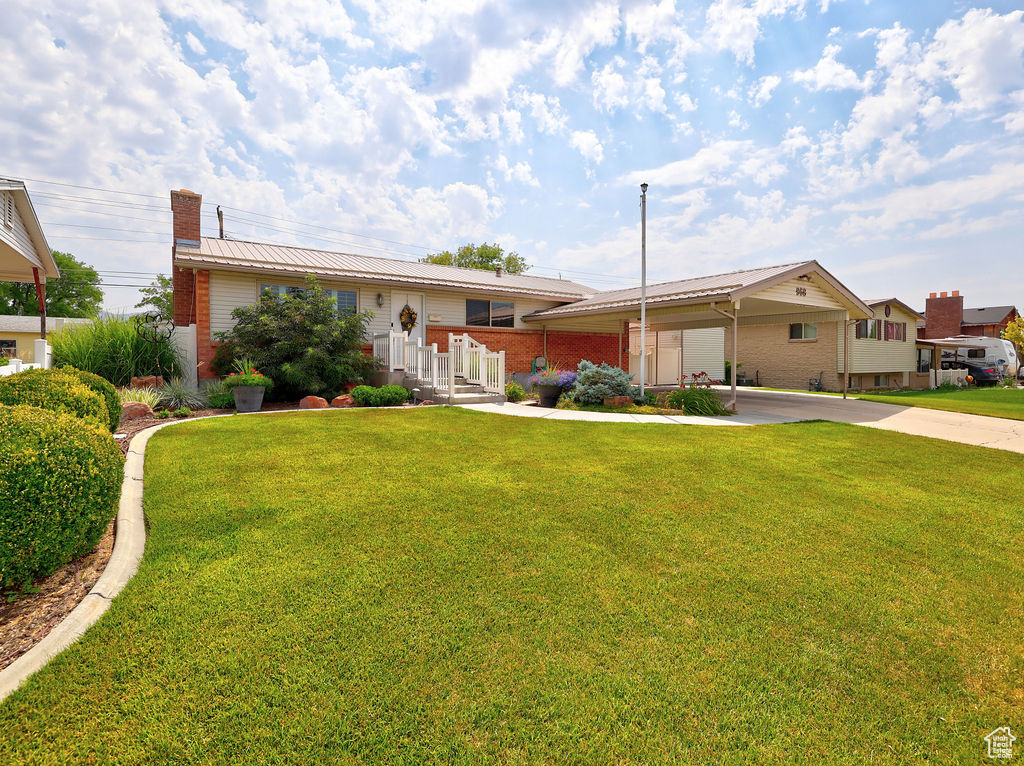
column 407, row 318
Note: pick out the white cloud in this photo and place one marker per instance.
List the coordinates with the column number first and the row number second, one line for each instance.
column 610, row 89
column 702, row 167
column 194, row 45
column 521, row 171
column 829, row 74
column 734, row 26
column 761, row 91
column 685, row 102
column 588, row 145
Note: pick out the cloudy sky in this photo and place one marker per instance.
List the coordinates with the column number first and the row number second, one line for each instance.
column 883, row 138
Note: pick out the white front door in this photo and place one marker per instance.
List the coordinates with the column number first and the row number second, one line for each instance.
column 415, row 301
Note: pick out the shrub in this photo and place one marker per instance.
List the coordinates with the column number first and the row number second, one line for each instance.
column 514, row 392
column 147, row 395
column 385, row 396
column 302, row 342
column 57, row 391
column 176, row 394
column 113, row 349
column 224, row 358
column 595, row 383
column 182, row 412
column 696, row 401
column 4, row 361
column 105, row 389
column 60, row 480
column 162, row 414
column 219, row 396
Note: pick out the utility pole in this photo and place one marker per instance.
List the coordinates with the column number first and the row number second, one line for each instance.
column 643, row 286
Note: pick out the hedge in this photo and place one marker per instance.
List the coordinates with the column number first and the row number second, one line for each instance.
column 60, row 480
column 104, row 388
column 57, row 391
column 385, row 396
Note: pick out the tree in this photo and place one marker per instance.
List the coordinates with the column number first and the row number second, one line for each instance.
column 159, row 295
column 1014, row 333
column 483, row 256
column 75, row 293
column 302, row 342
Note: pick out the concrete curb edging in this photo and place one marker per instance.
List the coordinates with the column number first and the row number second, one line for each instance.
column 129, row 543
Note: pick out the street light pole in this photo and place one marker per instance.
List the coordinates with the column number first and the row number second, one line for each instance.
column 643, row 287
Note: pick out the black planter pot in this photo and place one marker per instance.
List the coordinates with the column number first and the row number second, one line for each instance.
column 549, row 395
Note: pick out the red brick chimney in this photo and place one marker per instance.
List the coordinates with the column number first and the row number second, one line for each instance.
column 944, row 315
column 185, row 207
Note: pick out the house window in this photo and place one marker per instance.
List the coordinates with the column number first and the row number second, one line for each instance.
column 803, row 331
column 8, row 348
column 867, row 328
column 895, row 330
column 881, row 381
column 924, row 360
column 490, row 313
column 345, row 300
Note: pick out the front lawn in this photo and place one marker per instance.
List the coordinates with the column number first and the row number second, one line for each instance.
column 439, row 585
column 997, row 401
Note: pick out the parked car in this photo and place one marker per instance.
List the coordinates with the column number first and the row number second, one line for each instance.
column 983, row 374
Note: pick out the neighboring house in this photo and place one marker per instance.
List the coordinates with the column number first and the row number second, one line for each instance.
column 24, row 253
column 946, row 317
column 18, row 334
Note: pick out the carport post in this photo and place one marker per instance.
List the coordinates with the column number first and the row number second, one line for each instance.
column 847, row 324
column 734, row 316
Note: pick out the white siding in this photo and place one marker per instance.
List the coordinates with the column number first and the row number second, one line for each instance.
column 871, row 355
column 450, row 307
column 704, row 350
column 17, row 236
column 787, row 292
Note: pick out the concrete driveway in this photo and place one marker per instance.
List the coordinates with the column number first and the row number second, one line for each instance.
column 978, row 430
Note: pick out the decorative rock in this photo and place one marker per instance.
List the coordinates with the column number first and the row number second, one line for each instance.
column 426, row 402
column 133, row 410
column 617, row 401
column 313, row 403
column 343, row 401
column 148, row 381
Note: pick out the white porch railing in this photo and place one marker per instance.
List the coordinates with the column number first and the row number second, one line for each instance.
column 465, row 359
column 44, row 359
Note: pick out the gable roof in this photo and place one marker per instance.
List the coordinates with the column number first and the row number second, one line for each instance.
column 986, row 315
column 23, row 246
column 880, row 301
column 240, row 255
column 731, row 286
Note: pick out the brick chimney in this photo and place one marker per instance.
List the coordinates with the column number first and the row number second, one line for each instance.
column 944, row 315
column 185, row 207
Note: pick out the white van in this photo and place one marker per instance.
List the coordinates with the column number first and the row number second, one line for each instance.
column 996, row 353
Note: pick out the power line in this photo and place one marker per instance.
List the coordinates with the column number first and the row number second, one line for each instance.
column 91, row 188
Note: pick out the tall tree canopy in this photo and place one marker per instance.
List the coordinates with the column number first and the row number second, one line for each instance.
column 75, row 293
column 482, row 256
column 159, row 295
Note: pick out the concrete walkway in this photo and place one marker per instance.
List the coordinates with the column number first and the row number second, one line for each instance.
column 762, row 407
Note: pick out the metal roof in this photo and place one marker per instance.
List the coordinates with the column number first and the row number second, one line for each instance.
column 987, row 315
column 14, row 323
column 239, row 255
column 880, row 301
column 729, row 286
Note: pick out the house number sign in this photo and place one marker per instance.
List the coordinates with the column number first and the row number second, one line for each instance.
column 801, row 291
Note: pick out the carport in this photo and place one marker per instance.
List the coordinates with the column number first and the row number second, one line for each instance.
column 794, row 294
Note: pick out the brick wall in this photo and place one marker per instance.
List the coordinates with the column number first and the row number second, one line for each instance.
column 185, row 208
column 205, row 347
column 784, row 363
column 521, row 347
column 944, row 315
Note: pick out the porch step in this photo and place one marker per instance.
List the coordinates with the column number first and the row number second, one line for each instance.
column 476, row 398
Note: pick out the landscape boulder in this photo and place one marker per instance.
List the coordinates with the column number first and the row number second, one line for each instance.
column 345, row 400
column 148, row 381
column 618, row 401
column 313, row 403
column 133, row 410
column 426, row 402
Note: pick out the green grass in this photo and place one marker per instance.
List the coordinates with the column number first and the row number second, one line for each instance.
column 994, row 401
column 439, row 585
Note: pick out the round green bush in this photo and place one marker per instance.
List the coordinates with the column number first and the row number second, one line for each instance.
column 105, row 389
column 385, row 396
column 57, row 391
column 60, row 480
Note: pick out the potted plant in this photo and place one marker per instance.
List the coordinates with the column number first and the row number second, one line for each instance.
column 550, row 382
column 248, row 386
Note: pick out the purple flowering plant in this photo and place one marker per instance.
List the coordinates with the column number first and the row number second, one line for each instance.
column 552, row 376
